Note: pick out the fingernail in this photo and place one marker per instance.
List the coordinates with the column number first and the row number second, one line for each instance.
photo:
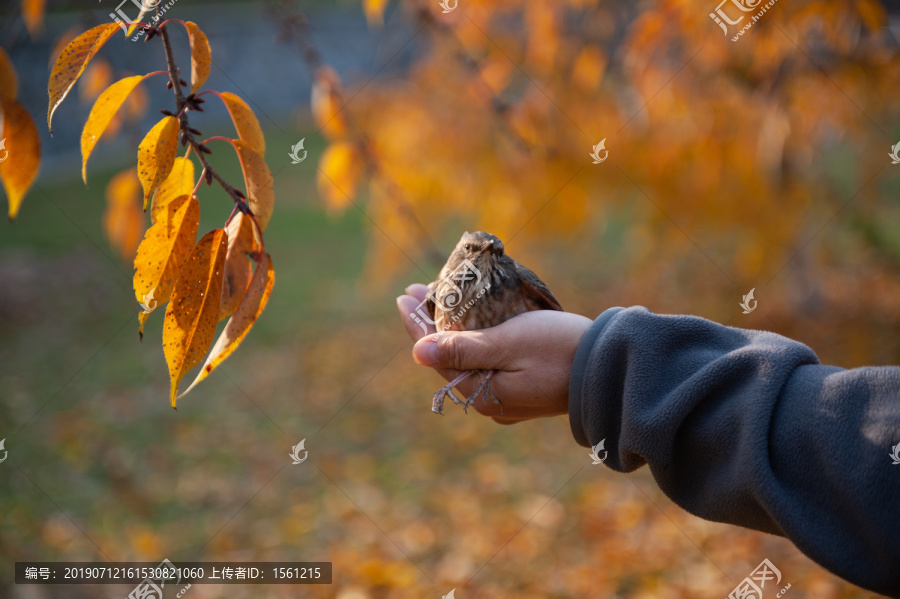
column 425, row 352
column 407, row 290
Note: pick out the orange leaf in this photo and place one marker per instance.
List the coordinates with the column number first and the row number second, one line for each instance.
column 201, row 56
column 179, row 182
column 327, row 103
column 156, row 155
column 20, row 166
column 8, row 79
column 72, row 62
column 587, row 71
column 238, row 269
column 245, row 122
column 241, row 322
column 61, row 41
column 33, row 15
column 339, row 172
column 102, row 114
column 258, row 179
column 162, row 253
column 123, row 221
column 95, row 79
column 374, row 10
column 194, row 310
column 872, row 13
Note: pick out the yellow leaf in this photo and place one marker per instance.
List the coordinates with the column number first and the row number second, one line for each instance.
column 123, row 221
column 495, row 71
column 8, row 79
column 96, row 78
column 245, row 122
column 156, row 155
column 339, row 172
column 872, row 13
column 179, row 182
column 72, row 61
column 258, row 179
column 102, row 114
column 33, row 15
column 194, row 310
column 136, row 104
column 163, row 251
column 588, row 69
column 327, row 103
column 20, row 166
column 238, row 269
column 252, row 305
column 374, row 10
column 201, row 56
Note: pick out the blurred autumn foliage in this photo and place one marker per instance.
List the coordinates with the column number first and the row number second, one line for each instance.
column 760, row 163
column 756, row 164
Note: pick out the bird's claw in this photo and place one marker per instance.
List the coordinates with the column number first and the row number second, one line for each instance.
column 437, row 405
column 484, row 388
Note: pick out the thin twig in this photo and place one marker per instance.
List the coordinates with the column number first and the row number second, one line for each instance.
column 182, row 108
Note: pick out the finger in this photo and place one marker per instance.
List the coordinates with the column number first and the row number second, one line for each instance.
column 418, row 291
column 460, row 350
column 414, row 316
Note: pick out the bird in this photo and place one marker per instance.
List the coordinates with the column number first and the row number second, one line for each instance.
column 480, row 287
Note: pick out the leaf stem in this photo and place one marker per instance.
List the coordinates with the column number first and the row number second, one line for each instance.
column 199, row 181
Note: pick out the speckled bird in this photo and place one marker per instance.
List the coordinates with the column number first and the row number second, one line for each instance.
column 480, row 287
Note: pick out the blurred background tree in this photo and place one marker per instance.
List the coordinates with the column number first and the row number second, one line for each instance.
column 761, row 163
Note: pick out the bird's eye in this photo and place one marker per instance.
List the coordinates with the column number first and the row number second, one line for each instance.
column 467, row 246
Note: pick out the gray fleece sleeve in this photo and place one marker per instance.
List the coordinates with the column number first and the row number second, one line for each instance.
column 746, row 427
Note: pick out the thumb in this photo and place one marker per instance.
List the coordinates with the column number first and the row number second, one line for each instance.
column 459, row 350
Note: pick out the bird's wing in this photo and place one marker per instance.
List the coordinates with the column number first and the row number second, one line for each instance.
column 531, row 280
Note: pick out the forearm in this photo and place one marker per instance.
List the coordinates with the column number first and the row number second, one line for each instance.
column 746, row 427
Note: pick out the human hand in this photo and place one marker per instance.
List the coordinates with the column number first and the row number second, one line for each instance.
column 531, row 353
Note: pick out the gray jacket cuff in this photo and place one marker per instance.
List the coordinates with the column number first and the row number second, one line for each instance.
column 579, row 369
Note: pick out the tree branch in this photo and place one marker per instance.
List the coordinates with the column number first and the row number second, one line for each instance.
column 294, row 27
